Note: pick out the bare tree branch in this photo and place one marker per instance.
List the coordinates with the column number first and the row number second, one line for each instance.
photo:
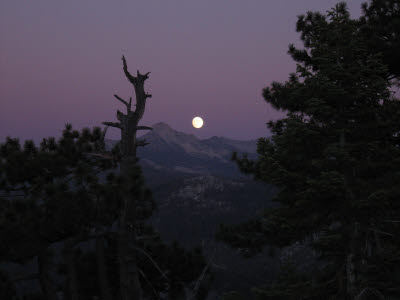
column 122, row 100
column 100, row 155
column 149, row 283
column 120, row 116
column 145, row 76
column 370, row 292
column 201, row 277
column 131, row 78
column 105, row 131
column 11, row 196
column 147, row 237
column 143, row 128
column 26, row 277
column 141, row 143
column 152, row 260
column 113, row 124
column 382, row 232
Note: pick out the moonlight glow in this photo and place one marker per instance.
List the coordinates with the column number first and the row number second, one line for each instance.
column 197, row 122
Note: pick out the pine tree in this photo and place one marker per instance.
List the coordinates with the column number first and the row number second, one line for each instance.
column 47, row 198
column 381, row 24
column 335, row 159
column 67, row 195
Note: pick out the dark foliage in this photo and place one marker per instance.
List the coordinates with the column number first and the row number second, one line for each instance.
column 381, row 25
column 335, row 159
column 58, row 198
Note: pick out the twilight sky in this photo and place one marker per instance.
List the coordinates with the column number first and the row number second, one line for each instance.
column 60, row 62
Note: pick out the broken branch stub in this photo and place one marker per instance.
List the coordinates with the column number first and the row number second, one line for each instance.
column 128, row 123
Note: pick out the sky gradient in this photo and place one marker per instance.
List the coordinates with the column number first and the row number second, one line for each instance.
column 60, row 62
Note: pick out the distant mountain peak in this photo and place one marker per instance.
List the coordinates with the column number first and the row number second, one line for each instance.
column 170, row 135
column 161, row 126
column 178, row 151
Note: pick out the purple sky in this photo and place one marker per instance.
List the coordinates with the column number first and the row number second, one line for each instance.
column 60, row 62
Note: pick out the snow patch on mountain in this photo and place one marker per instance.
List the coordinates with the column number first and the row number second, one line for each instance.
column 182, row 152
column 197, row 190
column 215, row 147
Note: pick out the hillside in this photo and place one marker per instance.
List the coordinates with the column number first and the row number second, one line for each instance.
column 171, row 150
column 197, row 187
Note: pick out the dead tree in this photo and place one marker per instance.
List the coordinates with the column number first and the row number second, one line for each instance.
column 128, row 124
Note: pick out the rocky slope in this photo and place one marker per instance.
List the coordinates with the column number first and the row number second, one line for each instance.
column 171, row 150
column 197, row 187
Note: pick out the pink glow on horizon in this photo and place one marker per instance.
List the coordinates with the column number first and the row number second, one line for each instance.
column 60, row 62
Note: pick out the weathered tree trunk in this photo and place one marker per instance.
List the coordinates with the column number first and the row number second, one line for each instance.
column 72, row 280
column 45, row 278
column 102, row 270
column 128, row 124
column 378, row 243
column 351, row 289
column 129, row 277
column 351, row 264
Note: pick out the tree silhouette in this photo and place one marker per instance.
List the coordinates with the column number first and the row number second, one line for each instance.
column 381, row 24
column 49, row 196
column 335, row 161
column 79, row 211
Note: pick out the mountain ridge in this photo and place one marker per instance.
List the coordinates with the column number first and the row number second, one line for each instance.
column 196, row 186
column 183, row 152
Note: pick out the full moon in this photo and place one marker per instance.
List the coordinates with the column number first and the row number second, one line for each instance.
column 197, row 122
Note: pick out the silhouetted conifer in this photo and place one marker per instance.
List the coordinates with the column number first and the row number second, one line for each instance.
column 380, row 23
column 79, row 211
column 335, row 159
